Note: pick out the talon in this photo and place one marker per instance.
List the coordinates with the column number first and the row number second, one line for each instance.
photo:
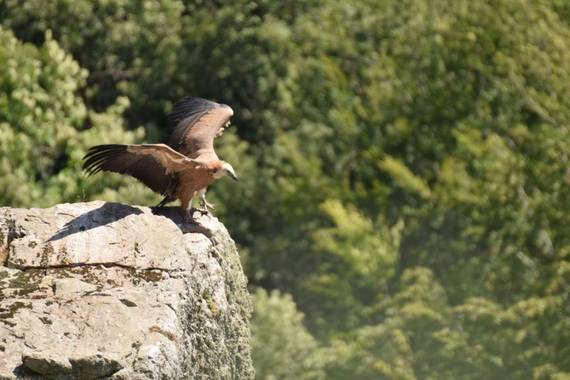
column 207, row 206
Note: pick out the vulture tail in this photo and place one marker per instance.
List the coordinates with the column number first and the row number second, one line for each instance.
column 166, row 200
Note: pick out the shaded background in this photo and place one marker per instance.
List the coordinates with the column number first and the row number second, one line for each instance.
column 404, row 209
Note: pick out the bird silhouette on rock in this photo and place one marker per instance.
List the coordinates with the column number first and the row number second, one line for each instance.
column 185, row 167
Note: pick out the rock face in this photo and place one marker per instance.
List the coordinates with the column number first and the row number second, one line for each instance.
column 102, row 290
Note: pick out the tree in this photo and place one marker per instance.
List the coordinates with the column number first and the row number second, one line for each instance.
column 282, row 347
column 405, row 163
column 46, row 128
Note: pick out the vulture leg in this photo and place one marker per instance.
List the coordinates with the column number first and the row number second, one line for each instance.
column 207, row 205
column 188, row 214
column 186, row 205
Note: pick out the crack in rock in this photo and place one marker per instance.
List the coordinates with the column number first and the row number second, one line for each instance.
column 95, row 265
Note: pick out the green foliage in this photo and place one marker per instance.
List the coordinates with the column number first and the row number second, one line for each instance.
column 404, row 164
column 130, row 48
column 282, row 347
column 357, row 261
column 403, row 177
column 46, row 127
column 390, row 349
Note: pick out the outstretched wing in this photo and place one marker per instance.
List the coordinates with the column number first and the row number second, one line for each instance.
column 155, row 165
column 197, row 123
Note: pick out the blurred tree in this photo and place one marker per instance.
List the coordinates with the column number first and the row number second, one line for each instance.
column 282, row 347
column 357, row 262
column 130, row 48
column 405, row 163
column 45, row 128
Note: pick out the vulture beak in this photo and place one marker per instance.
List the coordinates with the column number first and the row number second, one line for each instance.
column 232, row 174
column 229, row 170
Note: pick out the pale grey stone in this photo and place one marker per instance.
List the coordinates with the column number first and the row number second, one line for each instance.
column 101, row 290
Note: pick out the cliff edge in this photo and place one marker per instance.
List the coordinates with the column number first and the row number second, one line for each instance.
column 109, row 291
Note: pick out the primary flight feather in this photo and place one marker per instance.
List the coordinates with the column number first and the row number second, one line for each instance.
column 182, row 169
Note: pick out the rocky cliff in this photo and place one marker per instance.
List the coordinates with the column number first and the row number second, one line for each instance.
column 102, row 290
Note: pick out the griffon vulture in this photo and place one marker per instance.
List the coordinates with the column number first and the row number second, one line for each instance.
column 182, row 169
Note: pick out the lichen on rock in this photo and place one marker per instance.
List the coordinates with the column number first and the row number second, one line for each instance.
column 101, row 290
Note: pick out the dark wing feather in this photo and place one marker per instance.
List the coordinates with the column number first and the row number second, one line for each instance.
column 197, row 122
column 155, row 165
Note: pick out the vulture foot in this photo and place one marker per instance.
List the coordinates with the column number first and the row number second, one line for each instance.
column 207, row 206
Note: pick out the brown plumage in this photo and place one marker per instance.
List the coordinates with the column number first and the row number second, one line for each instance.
column 183, row 168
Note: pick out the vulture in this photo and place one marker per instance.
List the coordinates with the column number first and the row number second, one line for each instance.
column 180, row 170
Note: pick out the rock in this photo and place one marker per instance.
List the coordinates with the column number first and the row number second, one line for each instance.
column 107, row 291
